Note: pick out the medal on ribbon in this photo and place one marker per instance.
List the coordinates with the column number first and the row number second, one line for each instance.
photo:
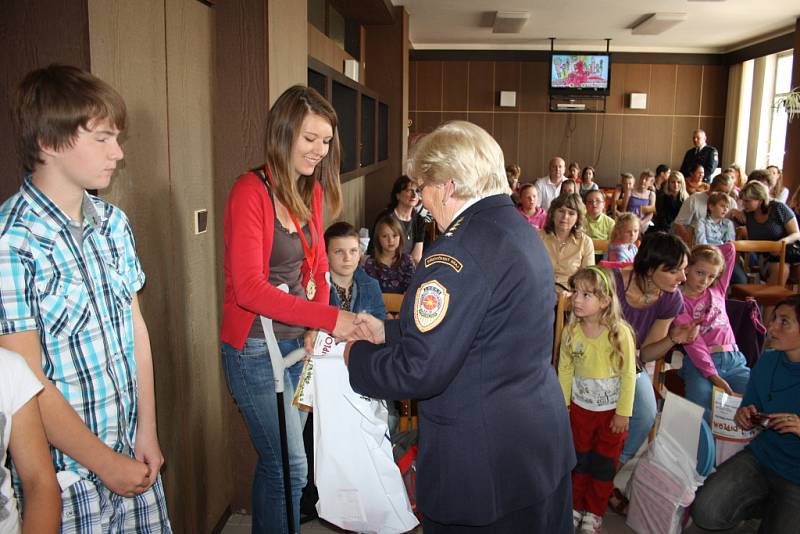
column 309, row 251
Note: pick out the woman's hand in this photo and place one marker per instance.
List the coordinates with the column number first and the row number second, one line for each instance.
column 685, row 333
column 721, row 383
column 619, row 424
column 785, row 423
column 745, row 415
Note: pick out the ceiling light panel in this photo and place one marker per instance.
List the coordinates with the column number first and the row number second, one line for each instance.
column 510, row 21
column 658, row 23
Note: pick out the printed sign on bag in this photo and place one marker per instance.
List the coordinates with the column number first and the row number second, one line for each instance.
column 723, row 411
column 324, row 345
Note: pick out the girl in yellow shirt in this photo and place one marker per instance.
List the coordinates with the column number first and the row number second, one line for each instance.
column 597, row 373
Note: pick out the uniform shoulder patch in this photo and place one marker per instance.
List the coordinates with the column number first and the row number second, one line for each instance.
column 430, row 305
column 446, row 259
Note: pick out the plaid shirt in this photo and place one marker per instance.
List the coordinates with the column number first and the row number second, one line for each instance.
column 77, row 295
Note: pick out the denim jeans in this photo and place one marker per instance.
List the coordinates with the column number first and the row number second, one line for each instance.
column 642, row 418
column 248, row 373
column 731, row 366
column 741, row 489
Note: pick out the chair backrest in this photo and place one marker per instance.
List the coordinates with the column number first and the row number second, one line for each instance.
column 562, row 309
column 392, row 301
column 776, row 248
column 600, row 245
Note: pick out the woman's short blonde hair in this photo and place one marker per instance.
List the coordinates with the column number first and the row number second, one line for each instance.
column 464, row 153
column 755, row 190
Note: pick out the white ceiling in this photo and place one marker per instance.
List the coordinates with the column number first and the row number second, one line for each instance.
column 711, row 26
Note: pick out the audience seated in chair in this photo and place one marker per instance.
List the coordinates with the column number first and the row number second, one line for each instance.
column 669, row 199
column 713, row 356
column 696, row 208
column 622, row 247
column 390, row 266
column 598, row 225
column 566, row 243
column 770, row 220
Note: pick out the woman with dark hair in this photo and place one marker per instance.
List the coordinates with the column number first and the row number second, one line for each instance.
column 770, row 220
column 566, row 243
column 587, row 182
column 662, row 175
column 763, row 480
column 274, row 235
column 649, row 298
column 694, row 182
column 403, row 200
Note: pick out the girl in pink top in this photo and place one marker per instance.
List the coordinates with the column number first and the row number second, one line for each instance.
column 714, row 359
column 529, row 206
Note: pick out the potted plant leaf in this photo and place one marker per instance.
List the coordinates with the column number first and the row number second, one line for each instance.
column 790, row 102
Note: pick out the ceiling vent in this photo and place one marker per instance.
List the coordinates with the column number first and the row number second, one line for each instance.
column 510, row 21
column 657, row 23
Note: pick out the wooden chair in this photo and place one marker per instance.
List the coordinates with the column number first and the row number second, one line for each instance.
column 408, row 407
column 562, row 309
column 766, row 295
column 393, row 302
column 600, row 245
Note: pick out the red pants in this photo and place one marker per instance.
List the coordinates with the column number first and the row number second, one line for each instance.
column 598, row 451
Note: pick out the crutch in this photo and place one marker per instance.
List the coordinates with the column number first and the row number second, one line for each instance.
column 279, row 365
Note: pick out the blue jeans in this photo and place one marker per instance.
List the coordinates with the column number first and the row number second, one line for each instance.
column 643, row 417
column 731, row 366
column 248, row 373
column 741, row 489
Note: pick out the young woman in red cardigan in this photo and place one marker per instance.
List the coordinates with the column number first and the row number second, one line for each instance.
column 274, row 235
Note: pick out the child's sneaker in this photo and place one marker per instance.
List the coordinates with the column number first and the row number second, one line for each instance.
column 591, row 524
column 577, row 517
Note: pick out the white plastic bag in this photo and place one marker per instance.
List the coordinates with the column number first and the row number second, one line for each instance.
column 665, row 479
column 360, row 487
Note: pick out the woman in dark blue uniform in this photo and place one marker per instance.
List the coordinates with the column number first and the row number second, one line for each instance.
column 473, row 344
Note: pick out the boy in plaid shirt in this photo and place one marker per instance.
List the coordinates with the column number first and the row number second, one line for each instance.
column 69, row 278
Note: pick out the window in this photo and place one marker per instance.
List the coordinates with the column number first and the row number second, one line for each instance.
column 777, row 133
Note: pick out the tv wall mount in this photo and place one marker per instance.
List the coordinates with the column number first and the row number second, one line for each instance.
column 578, row 103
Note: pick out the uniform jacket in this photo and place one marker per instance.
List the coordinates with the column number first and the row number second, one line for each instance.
column 474, row 343
column 707, row 156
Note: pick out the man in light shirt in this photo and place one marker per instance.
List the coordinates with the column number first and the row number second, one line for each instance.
column 696, row 207
column 550, row 186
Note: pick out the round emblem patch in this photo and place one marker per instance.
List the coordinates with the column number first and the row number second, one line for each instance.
column 430, row 306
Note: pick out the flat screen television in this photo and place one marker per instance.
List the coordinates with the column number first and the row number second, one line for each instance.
column 580, row 73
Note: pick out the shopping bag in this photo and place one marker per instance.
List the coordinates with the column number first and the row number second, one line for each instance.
column 665, row 478
column 729, row 437
column 360, row 486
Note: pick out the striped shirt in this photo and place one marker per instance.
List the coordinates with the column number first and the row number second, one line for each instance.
column 74, row 285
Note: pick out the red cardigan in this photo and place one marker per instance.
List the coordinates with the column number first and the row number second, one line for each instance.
column 249, row 227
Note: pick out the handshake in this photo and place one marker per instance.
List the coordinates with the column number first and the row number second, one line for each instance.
column 358, row 326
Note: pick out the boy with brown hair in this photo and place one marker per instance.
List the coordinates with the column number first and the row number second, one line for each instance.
column 69, row 277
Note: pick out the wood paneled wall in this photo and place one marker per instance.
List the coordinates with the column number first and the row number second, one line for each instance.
column 386, row 51
column 33, row 34
column 160, row 55
column 680, row 98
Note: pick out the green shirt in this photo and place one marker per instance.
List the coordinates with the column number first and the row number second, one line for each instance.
column 600, row 228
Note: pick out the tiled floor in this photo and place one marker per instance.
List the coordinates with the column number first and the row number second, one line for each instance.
column 612, row 523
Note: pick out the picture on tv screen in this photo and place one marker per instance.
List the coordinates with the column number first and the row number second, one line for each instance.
column 579, row 72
